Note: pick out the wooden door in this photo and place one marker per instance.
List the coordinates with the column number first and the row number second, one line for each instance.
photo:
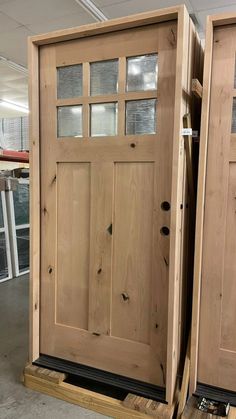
column 217, row 346
column 106, row 112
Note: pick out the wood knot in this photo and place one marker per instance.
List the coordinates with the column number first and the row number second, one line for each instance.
column 54, row 179
column 125, row 296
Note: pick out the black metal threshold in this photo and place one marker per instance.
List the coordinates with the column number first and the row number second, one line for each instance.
column 216, row 393
column 104, row 382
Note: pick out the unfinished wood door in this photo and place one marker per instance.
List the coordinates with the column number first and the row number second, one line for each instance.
column 106, row 118
column 217, row 346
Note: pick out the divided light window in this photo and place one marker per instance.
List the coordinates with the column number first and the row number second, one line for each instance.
column 109, row 95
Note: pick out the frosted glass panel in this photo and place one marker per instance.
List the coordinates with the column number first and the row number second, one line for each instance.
column 69, row 81
column 103, row 119
column 142, row 73
column 69, row 120
column 22, row 238
column 3, row 257
column 21, row 204
column 233, row 128
column 104, row 77
column 141, row 117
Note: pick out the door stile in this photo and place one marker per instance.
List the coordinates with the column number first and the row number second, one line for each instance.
column 101, row 223
column 48, row 191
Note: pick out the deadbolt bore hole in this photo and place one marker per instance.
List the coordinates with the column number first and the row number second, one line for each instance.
column 165, row 231
column 165, row 206
column 133, row 145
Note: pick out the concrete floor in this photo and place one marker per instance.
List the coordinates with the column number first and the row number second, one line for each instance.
column 16, row 401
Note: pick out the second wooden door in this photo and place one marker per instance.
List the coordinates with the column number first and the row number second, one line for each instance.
column 217, row 346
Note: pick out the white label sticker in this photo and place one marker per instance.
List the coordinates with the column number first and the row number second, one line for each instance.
column 187, row 131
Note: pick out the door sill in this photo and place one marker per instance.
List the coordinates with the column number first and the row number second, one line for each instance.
column 216, row 393
column 106, row 381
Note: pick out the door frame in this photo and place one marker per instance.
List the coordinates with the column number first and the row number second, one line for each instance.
column 211, row 23
column 181, row 105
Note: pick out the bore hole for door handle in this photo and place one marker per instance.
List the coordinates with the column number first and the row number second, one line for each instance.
column 165, row 206
column 165, row 231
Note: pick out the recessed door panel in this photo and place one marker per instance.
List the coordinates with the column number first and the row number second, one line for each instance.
column 132, row 251
column 73, row 226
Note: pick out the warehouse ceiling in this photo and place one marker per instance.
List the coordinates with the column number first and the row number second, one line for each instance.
column 22, row 18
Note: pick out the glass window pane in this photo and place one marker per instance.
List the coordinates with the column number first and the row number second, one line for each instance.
column 104, row 77
column 3, row 257
column 69, row 120
column 103, row 119
column 142, row 73
column 1, row 213
column 21, row 204
column 141, row 117
column 22, row 238
column 233, row 127
column 69, row 81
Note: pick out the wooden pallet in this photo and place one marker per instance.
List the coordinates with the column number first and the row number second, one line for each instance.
column 191, row 412
column 53, row 384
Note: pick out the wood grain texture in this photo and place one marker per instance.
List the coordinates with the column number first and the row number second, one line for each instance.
column 132, row 251
column 200, row 206
column 52, row 383
column 73, row 228
column 52, row 376
column 147, row 149
column 176, row 198
column 120, row 306
column 148, row 406
column 34, row 202
column 217, row 318
column 102, row 184
column 197, row 88
column 142, row 19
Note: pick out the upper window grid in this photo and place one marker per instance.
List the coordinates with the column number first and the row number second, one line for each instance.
column 144, row 83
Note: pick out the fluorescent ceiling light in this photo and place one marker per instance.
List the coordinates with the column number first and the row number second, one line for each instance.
column 14, row 65
column 91, row 8
column 13, row 106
